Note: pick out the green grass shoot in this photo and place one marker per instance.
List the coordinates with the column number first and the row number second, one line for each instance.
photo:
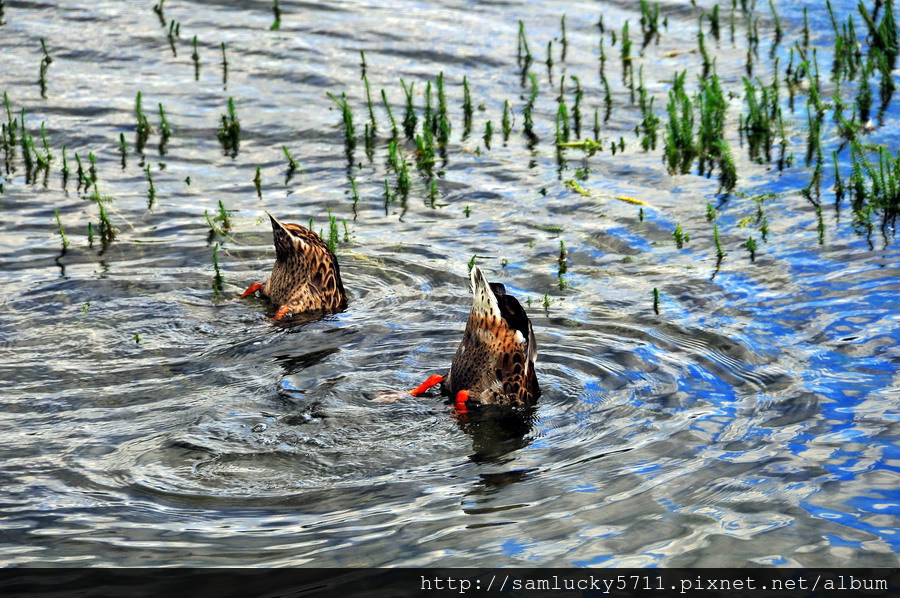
column 347, row 115
column 195, row 56
column 276, row 12
column 143, row 124
column 151, row 192
column 680, row 236
column 62, row 232
column 409, row 117
column 387, row 108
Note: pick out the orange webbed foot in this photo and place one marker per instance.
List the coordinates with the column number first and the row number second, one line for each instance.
column 282, row 311
column 250, row 290
column 432, row 381
column 460, row 403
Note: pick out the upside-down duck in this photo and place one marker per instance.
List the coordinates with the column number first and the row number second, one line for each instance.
column 494, row 363
column 305, row 278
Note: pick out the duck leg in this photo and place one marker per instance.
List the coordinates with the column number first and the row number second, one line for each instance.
column 282, row 311
column 251, row 289
column 432, row 381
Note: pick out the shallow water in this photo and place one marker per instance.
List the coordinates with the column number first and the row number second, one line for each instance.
column 752, row 421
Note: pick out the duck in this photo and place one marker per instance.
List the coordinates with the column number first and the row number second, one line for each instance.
column 494, row 363
column 305, row 278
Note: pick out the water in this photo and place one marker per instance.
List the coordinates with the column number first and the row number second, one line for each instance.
column 753, row 421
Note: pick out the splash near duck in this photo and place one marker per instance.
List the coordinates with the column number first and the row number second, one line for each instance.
column 305, row 278
column 494, row 363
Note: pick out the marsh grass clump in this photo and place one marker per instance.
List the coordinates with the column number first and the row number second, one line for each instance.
column 874, row 186
column 562, row 123
column 759, row 125
column 707, row 63
column 523, row 54
column 151, row 192
column 864, row 93
column 711, row 143
column 370, row 106
column 488, row 133
column 220, row 223
column 48, row 155
column 347, row 115
column 276, row 13
column 750, row 244
column 333, row 233
column 107, row 231
column 467, row 107
column 886, row 84
column 549, row 61
column 529, row 107
column 354, row 193
column 45, row 64
column 563, row 40
column 92, row 169
column 229, row 132
column 174, row 32
column 602, row 59
column 720, row 253
column 680, row 236
column 649, row 22
column 506, row 122
column 143, row 125
column 164, row 130
column 442, row 125
column 388, row 196
column 814, row 139
column 680, row 149
column 224, row 67
column 778, row 30
column 292, row 164
column 62, row 232
column 399, row 165
column 12, row 124
column 714, row 24
column 195, row 57
column 607, row 99
column 727, row 169
column 83, row 180
column 28, row 154
column 123, row 149
column 65, row 168
column 158, row 9
column 883, row 35
column 563, row 260
column 390, row 113
column 425, row 153
column 433, row 193
column 409, row 117
column 218, row 279
column 650, row 121
column 627, row 58
column 656, row 300
column 576, row 106
column 847, row 55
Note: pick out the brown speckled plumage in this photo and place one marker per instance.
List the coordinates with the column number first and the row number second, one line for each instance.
column 495, row 359
column 306, row 276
